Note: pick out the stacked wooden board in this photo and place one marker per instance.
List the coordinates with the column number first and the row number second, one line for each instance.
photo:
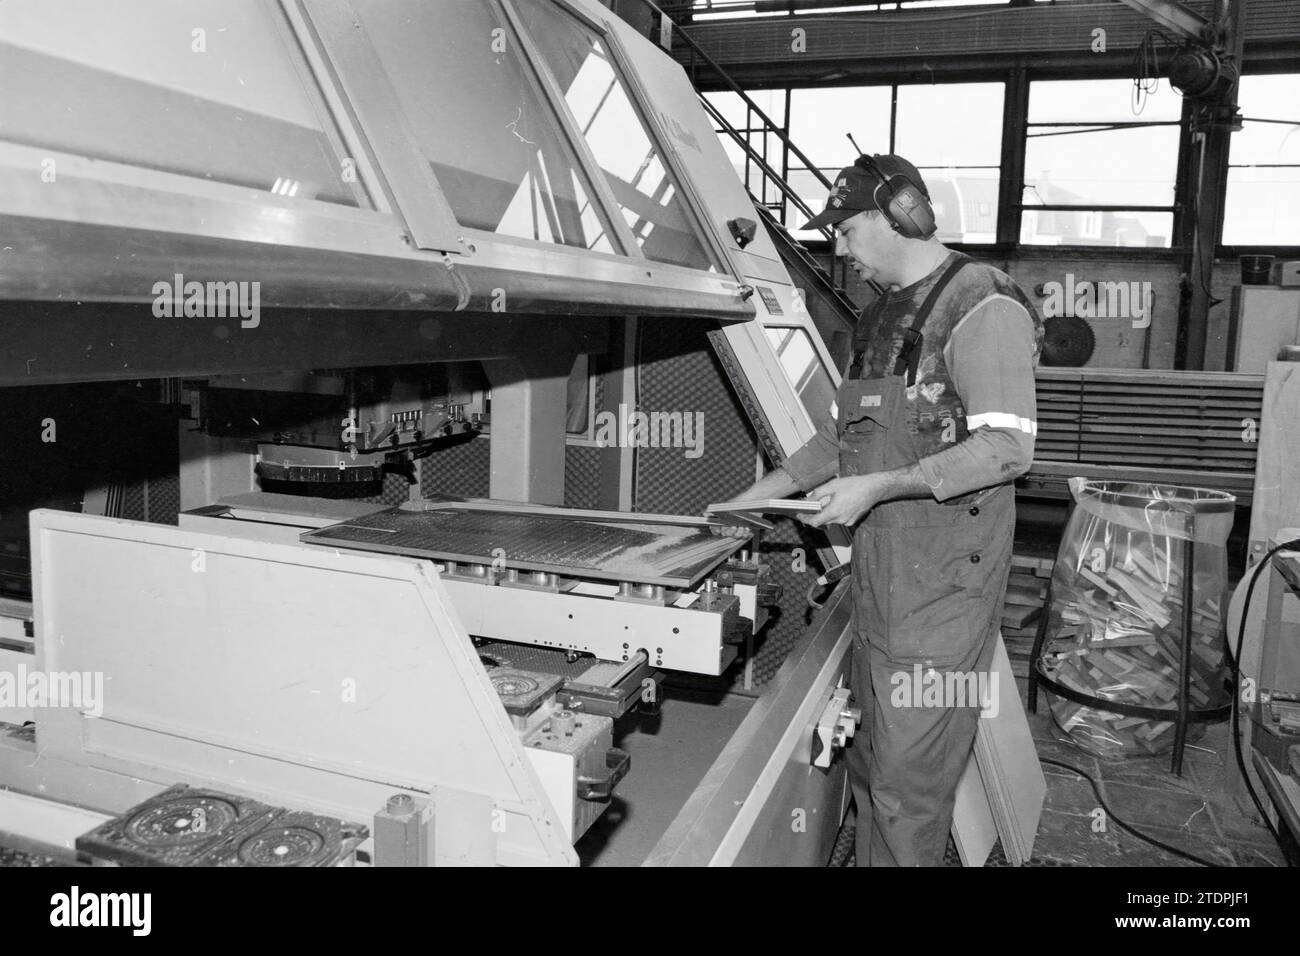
column 1276, row 501
column 1000, row 795
column 1116, row 636
column 1022, row 606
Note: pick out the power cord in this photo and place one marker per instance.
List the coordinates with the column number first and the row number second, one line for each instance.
column 1110, row 815
column 832, row 576
column 1200, row 276
column 1146, row 68
column 1292, row 545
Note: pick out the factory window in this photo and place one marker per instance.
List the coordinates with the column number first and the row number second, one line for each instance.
column 819, row 122
column 208, row 89
column 762, row 140
column 653, row 206
column 706, row 10
column 1263, row 203
column 952, row 133
column 495, row 146
column 1100, row 168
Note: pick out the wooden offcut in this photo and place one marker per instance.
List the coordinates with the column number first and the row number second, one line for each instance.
column 1010, row 776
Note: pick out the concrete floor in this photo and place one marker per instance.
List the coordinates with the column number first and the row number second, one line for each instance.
column 1193, row 812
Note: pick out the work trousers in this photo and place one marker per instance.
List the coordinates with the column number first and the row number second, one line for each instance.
column 928, row 585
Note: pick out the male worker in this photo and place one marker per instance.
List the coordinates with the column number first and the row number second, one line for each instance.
column 934, row 419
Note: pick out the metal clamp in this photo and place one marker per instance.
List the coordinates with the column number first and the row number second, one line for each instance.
column 600, row 789
column 836, row 726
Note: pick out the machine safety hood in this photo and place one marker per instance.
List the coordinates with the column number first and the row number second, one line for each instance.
column 522, row 156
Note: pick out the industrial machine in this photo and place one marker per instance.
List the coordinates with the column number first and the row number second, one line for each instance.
column 391, row 261
column 334, row 680
column 1276, row 712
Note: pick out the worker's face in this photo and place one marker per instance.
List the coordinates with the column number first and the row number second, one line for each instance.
column 867, row 243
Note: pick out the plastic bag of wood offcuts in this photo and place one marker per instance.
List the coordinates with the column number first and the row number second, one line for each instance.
column 1115, row 625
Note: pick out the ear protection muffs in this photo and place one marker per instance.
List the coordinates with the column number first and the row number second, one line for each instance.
column 904, row 204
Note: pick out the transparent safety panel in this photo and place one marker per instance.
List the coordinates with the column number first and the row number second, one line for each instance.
column 652, row 204
column 495, row 146
column 214, row 89
column 803, row 367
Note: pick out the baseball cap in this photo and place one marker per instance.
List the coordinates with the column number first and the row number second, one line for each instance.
column 854, row 189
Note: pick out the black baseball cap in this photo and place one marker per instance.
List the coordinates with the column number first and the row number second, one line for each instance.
column 854, row 189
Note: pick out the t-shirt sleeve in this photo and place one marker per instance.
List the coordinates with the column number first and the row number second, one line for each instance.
column 818, row 461
column 990, row 356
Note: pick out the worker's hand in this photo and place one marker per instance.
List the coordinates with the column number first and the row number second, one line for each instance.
column 728, row 530
column 733, row 531
column 775, row 484
column 845, row 500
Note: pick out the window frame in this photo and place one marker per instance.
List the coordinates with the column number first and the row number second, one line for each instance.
column 1234, row 250
column 634, row 87
column 1017, row 70
column 775, row 206
column 782, row 208
column 422, row 194
column 1177, row 210
column 620, row 234
column 819, row 348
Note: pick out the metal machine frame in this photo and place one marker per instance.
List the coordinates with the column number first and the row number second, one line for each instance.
column 208, row 222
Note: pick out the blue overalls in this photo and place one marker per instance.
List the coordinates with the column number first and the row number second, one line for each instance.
column 928, row 583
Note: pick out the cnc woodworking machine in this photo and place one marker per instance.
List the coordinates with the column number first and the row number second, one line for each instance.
column 399, row 244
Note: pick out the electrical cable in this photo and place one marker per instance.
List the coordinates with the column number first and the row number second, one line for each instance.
column 1200, row 275
column 1145, row 72
column 1110, row 814
column 1146, row 68
column 1291, row 545
column 1098, row 127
